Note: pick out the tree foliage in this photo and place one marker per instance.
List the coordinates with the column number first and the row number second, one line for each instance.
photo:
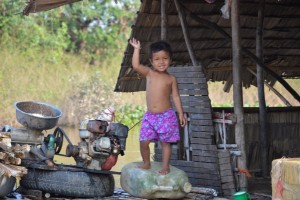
column 95, row 28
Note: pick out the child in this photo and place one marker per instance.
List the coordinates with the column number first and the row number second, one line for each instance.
column 160, row 121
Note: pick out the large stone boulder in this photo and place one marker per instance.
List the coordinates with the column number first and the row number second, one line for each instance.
column 149, row 184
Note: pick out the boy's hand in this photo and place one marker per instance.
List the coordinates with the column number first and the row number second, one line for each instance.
column 182, row 120
column 135, row 43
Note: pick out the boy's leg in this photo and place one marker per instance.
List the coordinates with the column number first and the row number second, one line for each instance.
column 166, row 156
column 145, row 153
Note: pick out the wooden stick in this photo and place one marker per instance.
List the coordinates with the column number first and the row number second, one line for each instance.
column 186, row 34
column 164, row 20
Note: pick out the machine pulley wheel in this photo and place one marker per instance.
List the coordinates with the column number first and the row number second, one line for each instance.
column 59, row 139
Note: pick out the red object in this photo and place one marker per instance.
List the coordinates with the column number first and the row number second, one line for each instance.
column 110, row 162
column 245, row 171
column 279, row 189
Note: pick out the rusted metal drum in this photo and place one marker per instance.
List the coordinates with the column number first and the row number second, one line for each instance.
column 37, row 115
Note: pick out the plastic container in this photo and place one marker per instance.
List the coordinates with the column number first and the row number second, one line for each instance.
column 241, row 195
column 107, row 115
column 149, row 184
column 285, row 176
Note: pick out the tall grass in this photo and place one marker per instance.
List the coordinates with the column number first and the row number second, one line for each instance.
column 32, row 77
column 219, row 98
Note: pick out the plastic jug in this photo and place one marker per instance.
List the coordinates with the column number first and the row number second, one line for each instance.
column 148, row 184
column 107, row 115
column 241, row 195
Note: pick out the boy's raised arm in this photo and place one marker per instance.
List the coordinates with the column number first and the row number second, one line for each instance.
column 141, row 69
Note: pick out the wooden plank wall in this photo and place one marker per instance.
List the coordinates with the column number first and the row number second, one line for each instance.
column 203, row 169
column 283, row 135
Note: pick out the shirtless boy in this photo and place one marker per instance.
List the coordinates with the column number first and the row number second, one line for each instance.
column 160, row 121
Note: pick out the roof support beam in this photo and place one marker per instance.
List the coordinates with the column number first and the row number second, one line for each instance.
column 282, row 98
column 164, row 20
column 248, row 53
column 186, row 34
column 260, row 89
column 238, row 91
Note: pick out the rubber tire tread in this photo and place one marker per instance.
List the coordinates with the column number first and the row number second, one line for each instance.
column 68, row 183
column 6, row 185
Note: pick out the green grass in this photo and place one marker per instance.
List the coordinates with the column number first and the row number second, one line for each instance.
column 26, row 78
column 33, row 77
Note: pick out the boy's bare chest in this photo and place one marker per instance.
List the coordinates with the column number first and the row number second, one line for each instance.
column 159, row 79
column 158, row 84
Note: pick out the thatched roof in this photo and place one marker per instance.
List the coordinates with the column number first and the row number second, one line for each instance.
column 34, row 6
column 210, row 35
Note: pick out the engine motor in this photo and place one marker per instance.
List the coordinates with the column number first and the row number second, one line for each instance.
column 101, row 143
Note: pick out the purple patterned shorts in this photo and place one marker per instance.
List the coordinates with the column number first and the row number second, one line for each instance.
column 160, row 127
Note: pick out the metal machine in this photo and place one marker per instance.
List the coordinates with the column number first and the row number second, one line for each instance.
column 31, row 147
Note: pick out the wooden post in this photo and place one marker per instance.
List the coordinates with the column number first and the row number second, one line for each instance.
column 260, row 89
column 237, row 90
column 164, row 20
column 186, row 34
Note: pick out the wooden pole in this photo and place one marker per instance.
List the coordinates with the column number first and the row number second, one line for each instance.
column 237, row 90
column 164, row 20
column 186, row 34
column 260, row 89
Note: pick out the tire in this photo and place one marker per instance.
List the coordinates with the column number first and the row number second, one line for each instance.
column 6, row 185
column 68, row 183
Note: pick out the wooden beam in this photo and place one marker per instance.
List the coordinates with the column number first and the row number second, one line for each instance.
column 238, row 91
column 282, row 98
column 251, row 3
column 260, row 89
column 228, row 83
column 246, row 29
column 250, row 54
column 146, row 6
column 274, row 68
column 164, row 20
column 186, row 34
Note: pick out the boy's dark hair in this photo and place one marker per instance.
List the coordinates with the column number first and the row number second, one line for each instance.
column 160, row 46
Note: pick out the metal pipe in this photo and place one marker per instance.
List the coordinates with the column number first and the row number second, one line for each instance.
column 26, row 136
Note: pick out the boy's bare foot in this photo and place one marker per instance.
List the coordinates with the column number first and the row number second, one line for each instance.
column 164, row 171
column 144, row 166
